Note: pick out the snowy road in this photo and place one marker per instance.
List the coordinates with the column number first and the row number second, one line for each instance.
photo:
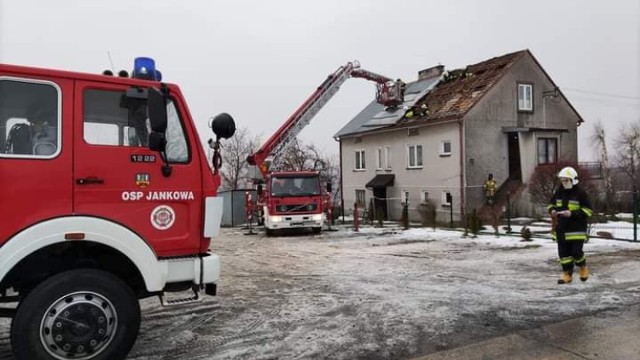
column 378, row 294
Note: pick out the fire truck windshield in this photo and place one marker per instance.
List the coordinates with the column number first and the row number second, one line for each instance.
column 295, row 186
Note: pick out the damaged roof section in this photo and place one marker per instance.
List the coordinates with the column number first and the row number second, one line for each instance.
column 460, row 89
column 435, row 98
column 375, row 116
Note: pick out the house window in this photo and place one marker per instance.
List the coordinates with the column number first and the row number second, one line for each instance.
column 379, row 158
column 547, row 151
column 415, row 156
column 31, row 121
column 360, row 198
column 525, row 97
column 424, row 196
column 445, row 148
column 360, row 164
column 446, row 198
column 387, row 157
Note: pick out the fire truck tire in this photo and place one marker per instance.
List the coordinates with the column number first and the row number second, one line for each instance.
column 317, row 230
column 77, row 314
column 269, row 232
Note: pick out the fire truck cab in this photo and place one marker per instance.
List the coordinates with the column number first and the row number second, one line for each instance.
column 106, row 198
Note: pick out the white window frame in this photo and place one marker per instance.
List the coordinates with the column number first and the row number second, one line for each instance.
column 413, row 148
column 379, row 158
column 548, row 158
column 443, row 151
column 387, row 157
column 444, row 198
column 525, row 97
column 406, row 195
column 360, row 161
column 424, row 196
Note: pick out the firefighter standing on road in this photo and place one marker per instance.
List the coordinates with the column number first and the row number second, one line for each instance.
column 571, row 207
column 490, row 187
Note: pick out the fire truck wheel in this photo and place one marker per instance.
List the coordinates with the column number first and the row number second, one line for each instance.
column 77, row 314
column 317, row 230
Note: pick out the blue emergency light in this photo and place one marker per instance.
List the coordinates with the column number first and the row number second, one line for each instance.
column 145, row 68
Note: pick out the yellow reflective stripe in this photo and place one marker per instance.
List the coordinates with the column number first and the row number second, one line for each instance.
column 553, row 235
column 574, row 207
column 576, row 236
column 566, row 260
column 574, row 202
column 587, row 211
column 550, row 206
column 559, row 202
column 582, row 259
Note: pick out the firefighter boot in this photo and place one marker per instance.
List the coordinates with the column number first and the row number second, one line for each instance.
column 565, row 278
column 584, row 272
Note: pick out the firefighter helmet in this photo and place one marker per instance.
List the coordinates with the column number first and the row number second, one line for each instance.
column 569, row 173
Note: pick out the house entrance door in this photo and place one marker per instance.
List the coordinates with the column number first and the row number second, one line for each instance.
column 380, row 203
column 515, row 172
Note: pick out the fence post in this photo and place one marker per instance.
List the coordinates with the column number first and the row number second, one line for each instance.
column 635, row 215
column 508, row 212
column 405, row 215
column 355, row 216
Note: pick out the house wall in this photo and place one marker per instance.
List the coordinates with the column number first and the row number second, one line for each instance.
column 438, row 174
column 486, row 143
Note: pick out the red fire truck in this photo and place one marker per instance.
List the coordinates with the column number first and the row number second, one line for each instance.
column 295, row 198
column 107, row 197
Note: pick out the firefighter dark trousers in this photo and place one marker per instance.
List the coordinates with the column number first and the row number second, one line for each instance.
column 570, row 253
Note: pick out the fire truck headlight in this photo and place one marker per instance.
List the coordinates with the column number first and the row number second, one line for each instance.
column 282, row 208
column 276, row 219
column 310, row 207
column 317, row 217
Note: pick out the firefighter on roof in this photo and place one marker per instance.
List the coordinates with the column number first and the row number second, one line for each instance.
column 571, row 207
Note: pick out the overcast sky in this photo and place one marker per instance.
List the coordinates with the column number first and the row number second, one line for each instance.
column 259, row 60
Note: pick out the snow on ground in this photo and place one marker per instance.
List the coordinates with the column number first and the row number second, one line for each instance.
column 379, row 293
column 382, row 293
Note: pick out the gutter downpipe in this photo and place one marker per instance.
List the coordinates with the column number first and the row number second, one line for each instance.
column 341, row 179
column 462, row 168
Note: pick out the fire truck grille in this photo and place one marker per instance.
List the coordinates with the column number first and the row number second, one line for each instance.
column 296, row 208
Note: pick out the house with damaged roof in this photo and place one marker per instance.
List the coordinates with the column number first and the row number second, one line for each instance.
column 503, row 116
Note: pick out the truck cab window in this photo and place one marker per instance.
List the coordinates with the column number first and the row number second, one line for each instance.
column 110, row 118
column 29, row 119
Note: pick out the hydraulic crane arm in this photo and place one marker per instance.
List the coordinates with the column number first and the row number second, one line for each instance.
column 389, row 93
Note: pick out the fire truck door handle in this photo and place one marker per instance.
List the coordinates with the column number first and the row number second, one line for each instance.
column 89, row 180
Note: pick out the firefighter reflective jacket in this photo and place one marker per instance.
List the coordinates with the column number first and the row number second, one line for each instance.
column 576, row 201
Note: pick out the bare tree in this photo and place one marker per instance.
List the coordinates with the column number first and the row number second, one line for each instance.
column 544, row 181
column 629, row 153
column 235, row 169
column 599, row 142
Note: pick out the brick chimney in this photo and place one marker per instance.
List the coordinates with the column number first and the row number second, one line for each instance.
column 431, row 72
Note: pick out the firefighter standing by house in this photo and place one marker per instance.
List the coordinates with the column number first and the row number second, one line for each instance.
column 571, row 207
column 490, row 187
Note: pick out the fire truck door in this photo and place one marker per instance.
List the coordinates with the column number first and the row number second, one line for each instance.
column 35, row 158
column 117, row 177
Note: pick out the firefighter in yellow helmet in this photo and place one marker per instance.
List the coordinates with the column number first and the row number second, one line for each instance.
column 571, row 207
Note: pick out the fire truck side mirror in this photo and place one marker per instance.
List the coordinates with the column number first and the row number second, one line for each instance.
column 259, row 190
column 223, row 126
column 329, row 187
column 157, row 111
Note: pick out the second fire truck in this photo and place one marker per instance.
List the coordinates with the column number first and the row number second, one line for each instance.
column 294, row 198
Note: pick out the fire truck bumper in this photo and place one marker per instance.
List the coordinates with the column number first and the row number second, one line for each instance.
column 293, row 221
column 204, row 269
